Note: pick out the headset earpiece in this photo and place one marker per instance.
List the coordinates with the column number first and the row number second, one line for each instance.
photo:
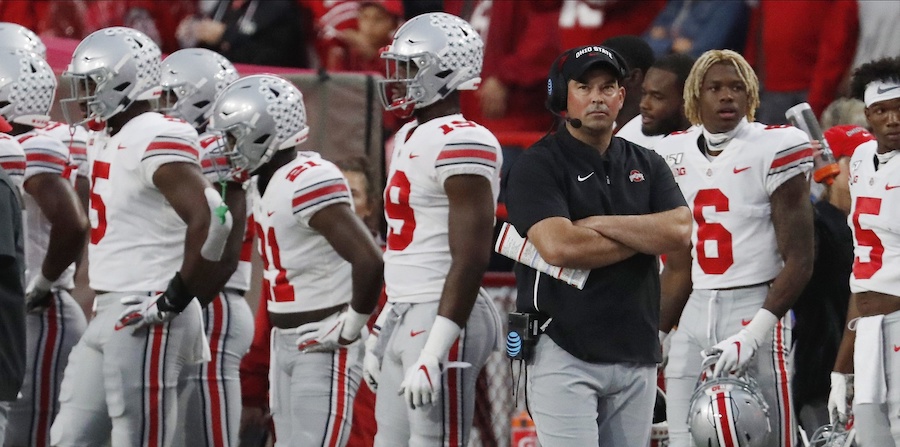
column 557, row 88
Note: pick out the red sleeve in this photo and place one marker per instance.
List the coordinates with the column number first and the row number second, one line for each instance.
column 837, row 47
column 522, row 42
column 255, row 365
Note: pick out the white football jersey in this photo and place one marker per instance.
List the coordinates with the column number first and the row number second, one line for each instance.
column 215, row 166
column 75, row 138
column 137, row 238
column 631, row 131
column 416, row 206
column 733, row 237
column 875, row 222
column 43, row 155
column 302, row 270
column 12, row 160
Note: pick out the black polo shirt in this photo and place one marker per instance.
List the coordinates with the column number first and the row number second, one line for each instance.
column 615, row 318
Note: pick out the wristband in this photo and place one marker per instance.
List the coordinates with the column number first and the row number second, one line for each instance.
column 761, row 324
column 41, row 282
column 177, row 295
column 444, row 333
column 353, row 323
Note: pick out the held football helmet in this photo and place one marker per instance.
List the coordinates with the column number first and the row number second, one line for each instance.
column 192, row 78
column 16, row 37
column 727, row 411
column 431, row 56
column 833, row 436
column 112, row 68
column 27, row 87
column 259, row 115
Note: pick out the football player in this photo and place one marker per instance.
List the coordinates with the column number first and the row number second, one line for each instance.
column 875, row 279
column 191, row 79
column 752, row 253
column 323, row 271
column 440, row 326
column 56, row 229
column 158, row 232
column 16, row 37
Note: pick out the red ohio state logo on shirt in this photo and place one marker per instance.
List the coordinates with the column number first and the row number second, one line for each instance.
column 635, row 176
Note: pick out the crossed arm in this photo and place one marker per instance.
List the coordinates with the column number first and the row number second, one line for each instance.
column 598, row 241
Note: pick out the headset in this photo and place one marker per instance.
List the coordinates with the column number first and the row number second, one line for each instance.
column 558, row 86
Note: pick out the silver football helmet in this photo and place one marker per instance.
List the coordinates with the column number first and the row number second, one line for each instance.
column 112, row 68
column 191, row 79
column 431, row 56
column 728, row 411
column 27, row 88
column 833, row 436
column 16, row 37
column 260, row 115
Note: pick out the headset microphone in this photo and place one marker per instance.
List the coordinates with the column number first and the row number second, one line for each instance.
column 575, row 122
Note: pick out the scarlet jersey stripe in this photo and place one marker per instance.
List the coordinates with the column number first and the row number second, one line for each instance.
column 13, row 164
column 171, row 146
column 791, row 155
column 319, row 193
column 339, row 391
column 46, row 374
column 781, row 381
column 453, row 396
column 217, row 405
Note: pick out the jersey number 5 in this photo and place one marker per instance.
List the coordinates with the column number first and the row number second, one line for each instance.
column 867, row 238
column 712, row 232
column 400, row 217
column 99, row 171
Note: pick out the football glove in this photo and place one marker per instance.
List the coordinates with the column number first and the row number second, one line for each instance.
column 37, row 295
column 837, row 397
column 142, row 312
column 422, row 381
column 734, row 353
column 333, row 334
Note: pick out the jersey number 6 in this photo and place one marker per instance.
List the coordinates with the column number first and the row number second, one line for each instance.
column 709, row 232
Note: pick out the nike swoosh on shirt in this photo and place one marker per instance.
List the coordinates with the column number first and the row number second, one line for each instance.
column 581, row 179
column 414, row 333
column 738, row 171
column 896, row 348
column 890, row 187
column 745, row 322
column 880, row 90
column 270, row 213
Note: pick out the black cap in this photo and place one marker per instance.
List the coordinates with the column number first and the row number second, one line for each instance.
column 581, row 59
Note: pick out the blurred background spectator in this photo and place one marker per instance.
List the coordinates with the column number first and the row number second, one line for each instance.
column 588, row 22
column 521, row 41
column 783, row 46
column 356, row 47
column 694, row 26
column 271, row 32
column 857, row 32
column 849, row 111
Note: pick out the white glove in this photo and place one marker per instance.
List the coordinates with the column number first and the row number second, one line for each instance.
column 737, row 350
column 37, row 295
column 422, row 381
column 143, row 311
column 371, row 362
column 326, row 336
column 837, row 397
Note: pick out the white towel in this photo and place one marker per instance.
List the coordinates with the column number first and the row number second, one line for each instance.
column 868, row 362
column 519, row 249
